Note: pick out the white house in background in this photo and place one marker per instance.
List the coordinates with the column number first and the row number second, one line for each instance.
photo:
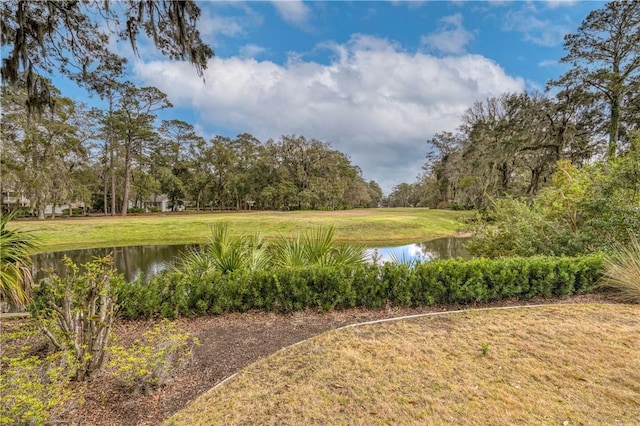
column 60, row 209
column 16, row 199
column 160, row 202
column 156, row 203
column 13, row 199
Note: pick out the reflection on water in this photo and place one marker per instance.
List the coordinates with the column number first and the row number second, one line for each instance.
column 146, row 261
column 133, row 262
column 442, row 248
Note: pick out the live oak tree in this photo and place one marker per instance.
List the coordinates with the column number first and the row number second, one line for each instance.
column 375, row 194
column 41, row 38
column 506, row 145
column 42, row 156
column 605, row 58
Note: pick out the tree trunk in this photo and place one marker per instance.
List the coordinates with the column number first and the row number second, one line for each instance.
column 113, row 181
column 127, row 179
column 535, row 181
column 614, row 126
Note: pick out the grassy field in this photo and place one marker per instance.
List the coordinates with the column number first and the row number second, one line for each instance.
column 373, row 226
column 556, row 365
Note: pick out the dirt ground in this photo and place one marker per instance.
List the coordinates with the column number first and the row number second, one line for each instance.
column 227, row 344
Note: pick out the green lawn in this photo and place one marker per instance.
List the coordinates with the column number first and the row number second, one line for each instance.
column 376, row 227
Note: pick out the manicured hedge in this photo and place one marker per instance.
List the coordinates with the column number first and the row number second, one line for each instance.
column 170, row 295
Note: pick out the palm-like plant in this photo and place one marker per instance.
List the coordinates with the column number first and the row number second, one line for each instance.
column 226, row 254
column 316, row 248
column 16, row 248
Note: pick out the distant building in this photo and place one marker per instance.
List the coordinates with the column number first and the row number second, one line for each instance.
column 13, row 199
column 159, row 203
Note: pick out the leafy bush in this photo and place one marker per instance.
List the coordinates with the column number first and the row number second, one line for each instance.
column 33, row 390
column 581, row 212
column 315, row 248
column 76, row 211
column 371, row 285
column 76, row 311
column 225, row 254
column 151, row 359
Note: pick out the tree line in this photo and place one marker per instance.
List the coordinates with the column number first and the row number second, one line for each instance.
column 115, row 159
column 57, row 151
column 510, row 145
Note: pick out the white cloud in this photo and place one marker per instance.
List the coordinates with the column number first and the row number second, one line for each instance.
column 534, row 30
column 374, row 101
column 211, row 25
column 548, row 63
column 251, row 50
column 451, row 36
column 411, row 4
column 294, row 12
column 553, row 4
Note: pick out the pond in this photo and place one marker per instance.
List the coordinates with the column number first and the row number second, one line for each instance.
column 146, row 261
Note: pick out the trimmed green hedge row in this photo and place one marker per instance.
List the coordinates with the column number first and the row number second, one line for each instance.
column 171, row 295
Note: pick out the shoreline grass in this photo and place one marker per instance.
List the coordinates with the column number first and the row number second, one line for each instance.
column 561, row 364
column 376, row 227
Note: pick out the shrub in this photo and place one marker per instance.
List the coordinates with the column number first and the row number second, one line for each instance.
column 76, row 311
column 316, row 248
column 151, row 359
column 225, row 254
column 622, row 272
column 76, row 211
column 34, row 390
column 450, row 281
column 580, row 212
column 16, row 248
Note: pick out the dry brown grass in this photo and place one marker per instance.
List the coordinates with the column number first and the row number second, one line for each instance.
column 568, row 364
column 622, row 272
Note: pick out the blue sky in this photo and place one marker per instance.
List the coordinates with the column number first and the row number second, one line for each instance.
column 375, row 79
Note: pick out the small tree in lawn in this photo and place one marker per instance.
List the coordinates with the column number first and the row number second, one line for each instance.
column 76, row 311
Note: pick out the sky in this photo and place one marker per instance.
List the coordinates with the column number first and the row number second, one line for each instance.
column 374, row 79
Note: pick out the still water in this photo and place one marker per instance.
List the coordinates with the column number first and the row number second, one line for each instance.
column 146, row 261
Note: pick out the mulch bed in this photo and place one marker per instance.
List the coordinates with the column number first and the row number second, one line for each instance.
column 227, row 344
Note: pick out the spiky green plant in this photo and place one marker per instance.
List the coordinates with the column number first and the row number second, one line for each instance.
column 316, row 248
column 350, row 254
column 226, row 254
column 194, row 262
column 622, row 272
column 16, row 248
column 402, row 260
